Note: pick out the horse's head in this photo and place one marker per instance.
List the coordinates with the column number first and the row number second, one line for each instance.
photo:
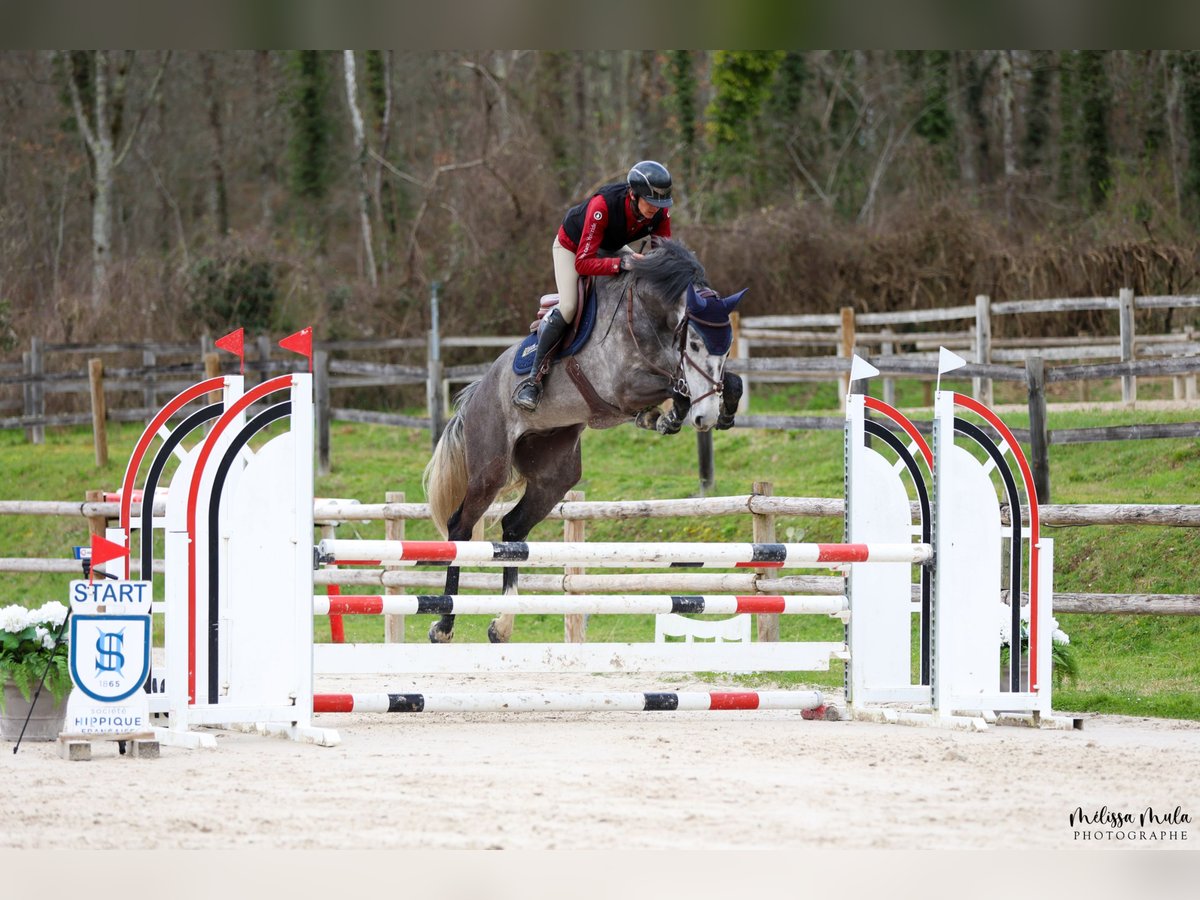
column 705, row 344
column 698, row 318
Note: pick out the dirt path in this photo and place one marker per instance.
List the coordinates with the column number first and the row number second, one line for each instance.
column 731, row 780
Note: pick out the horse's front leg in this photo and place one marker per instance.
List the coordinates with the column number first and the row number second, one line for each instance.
column 731, row 396
column 672, row 420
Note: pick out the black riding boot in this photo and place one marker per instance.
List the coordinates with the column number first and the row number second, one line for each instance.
column 529, row 392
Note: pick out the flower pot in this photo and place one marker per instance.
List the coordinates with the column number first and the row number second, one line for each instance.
column 45, row 723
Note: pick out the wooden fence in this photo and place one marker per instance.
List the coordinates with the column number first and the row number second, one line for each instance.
column 818, row 347
column 761, row 506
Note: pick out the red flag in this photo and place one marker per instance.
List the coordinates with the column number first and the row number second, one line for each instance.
column 103, row 550
column 300, row 342
column 233, row 342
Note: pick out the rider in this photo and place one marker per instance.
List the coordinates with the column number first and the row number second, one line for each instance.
column 614, row 216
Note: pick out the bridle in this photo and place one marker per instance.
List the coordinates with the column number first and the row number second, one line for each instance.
column 678, row 378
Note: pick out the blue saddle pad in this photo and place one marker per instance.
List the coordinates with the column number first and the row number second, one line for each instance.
column 523, row 361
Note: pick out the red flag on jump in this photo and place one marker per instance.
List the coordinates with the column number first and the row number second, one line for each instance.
column 104, row 550
column 300, row 342
column 234, row 343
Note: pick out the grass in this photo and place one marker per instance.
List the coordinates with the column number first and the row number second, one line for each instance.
column 1133, row 665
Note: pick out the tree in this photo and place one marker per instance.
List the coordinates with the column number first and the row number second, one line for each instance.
column 1037, row 115
column 1190, row 72
column 741, row 80
column 681, row 76
column 1097, row 100
column 98, row 91
column 220, row 193
column 310, row 142
column 360, row 158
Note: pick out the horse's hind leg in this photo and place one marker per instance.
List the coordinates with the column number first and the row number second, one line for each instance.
column 481, row 490
column 552, row 465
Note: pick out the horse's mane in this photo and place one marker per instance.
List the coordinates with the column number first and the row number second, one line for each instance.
column 669, row 268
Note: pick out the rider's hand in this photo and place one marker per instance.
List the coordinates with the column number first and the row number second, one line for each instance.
column 626, row 263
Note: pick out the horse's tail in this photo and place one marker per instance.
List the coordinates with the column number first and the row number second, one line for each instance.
column 445, row 477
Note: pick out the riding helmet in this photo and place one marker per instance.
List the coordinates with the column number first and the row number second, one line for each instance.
column 651, row 181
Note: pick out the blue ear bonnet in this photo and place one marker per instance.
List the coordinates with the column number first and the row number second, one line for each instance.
column 708, row 313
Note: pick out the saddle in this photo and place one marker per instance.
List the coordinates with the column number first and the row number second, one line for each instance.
column 575, row 340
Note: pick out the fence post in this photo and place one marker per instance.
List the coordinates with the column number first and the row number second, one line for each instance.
column 212, row 368
column 888, row 348
column 149, row 393
column 983, row 347
column 393, row 530
column 1039, row 435
column 263, row 343
column 98, row 524
column 763, row 532
column 99, row 412
column 35, row 391
column 574, row 626
column 321, row 386
column 704, row 457
column 433, row 386
column 739, row 349
column 846, row 352
column 1128, row 382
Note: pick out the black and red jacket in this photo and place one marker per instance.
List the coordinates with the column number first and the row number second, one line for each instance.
column 607, row 221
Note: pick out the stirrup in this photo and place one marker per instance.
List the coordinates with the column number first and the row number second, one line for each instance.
column 528, row 395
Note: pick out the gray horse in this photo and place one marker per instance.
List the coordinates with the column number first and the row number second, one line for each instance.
column 660, row 333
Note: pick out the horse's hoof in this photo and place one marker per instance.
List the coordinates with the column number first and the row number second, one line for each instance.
column 494, row 635
column 437, row 636
column 647, row 419
column 667, row 425
column 724, row 422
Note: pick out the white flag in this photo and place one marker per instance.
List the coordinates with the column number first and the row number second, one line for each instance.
column 948, row 362
column 860, row 368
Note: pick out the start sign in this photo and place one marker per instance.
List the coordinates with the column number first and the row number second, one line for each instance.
column 110, row 657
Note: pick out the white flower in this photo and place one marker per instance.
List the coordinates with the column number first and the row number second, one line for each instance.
column 1056, row 634
column 52, row 612
column 14, row 618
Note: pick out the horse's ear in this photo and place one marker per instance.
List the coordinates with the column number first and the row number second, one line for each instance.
column 730, row 303
column 695, row 302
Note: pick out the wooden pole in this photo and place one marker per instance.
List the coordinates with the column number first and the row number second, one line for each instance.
column 845, row 351
column 983, row 347
column 1128, row 382
column 99, row 411
column 574, row 627
column 393, row 530
column 1039, row 435
column 763, row 531
column 321, row 386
